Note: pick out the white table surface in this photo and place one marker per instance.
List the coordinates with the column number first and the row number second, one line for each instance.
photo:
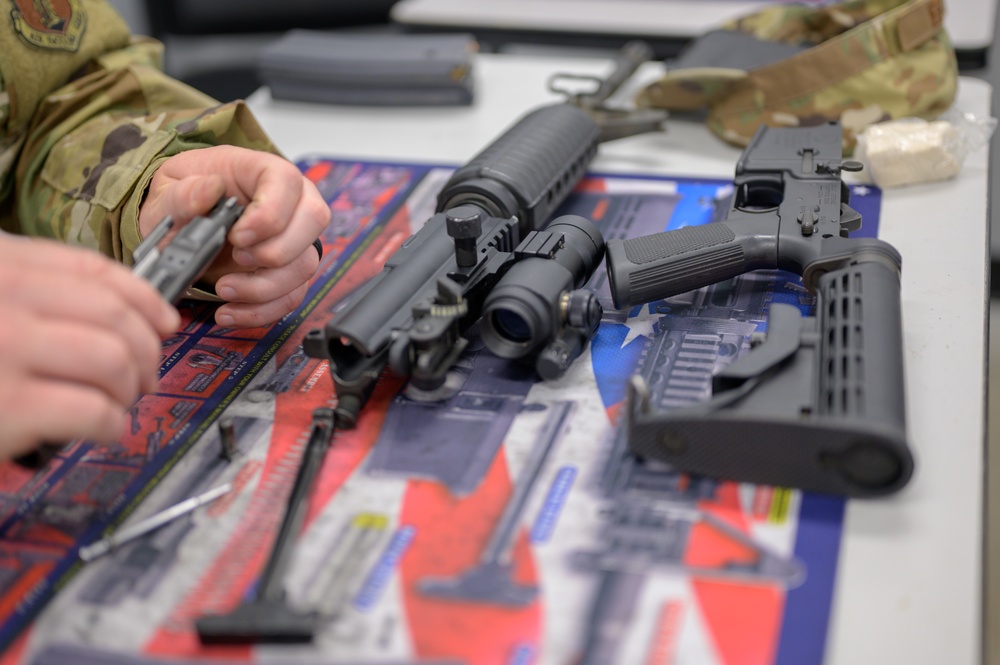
column 970, row 23
column 910, row 584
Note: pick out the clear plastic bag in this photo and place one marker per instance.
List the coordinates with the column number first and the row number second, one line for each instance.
column 911, row 150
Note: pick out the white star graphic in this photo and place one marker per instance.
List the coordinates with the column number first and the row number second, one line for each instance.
column 640, row 323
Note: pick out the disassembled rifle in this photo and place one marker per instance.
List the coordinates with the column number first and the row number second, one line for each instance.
column 485, row 256
column 482, row 255
column 819, row 405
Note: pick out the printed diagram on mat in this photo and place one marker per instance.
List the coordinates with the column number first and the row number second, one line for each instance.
column 505, row 523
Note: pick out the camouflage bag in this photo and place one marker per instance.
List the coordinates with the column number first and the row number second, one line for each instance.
column 859, row 62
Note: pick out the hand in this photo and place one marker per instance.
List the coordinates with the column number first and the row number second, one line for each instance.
column 79, row 340
column 264, row 270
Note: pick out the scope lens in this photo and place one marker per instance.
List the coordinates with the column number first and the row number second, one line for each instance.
column 511, row 326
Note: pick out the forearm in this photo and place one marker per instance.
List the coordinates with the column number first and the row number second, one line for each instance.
column 95, row 144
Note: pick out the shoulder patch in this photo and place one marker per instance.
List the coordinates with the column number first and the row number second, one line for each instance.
column 49, row 24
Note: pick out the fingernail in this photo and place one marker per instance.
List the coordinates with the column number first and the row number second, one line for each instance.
column 224, row 320
column 244, row 237
column 243, row 257
column 226, row 292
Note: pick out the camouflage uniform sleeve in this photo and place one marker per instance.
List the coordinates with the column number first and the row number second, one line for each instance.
column 797, row 23
column 94, row 144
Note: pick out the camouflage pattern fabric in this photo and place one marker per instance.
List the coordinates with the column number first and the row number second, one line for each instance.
column 873, row 60
column 86, row 117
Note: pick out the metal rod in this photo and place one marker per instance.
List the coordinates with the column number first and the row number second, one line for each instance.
column 122, row 536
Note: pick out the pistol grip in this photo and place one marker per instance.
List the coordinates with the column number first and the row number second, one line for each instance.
column 661, row 265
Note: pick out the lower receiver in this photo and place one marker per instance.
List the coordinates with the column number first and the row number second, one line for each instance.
column 819, row 405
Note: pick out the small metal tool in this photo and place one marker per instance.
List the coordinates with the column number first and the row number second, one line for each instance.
column 122, row 536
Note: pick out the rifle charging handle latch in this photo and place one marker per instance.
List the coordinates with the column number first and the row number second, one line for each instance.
column 464, row 224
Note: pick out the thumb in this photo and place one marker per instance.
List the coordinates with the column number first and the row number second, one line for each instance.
column 182, row 199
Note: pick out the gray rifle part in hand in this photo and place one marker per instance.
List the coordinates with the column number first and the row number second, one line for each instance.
column 174, row 268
